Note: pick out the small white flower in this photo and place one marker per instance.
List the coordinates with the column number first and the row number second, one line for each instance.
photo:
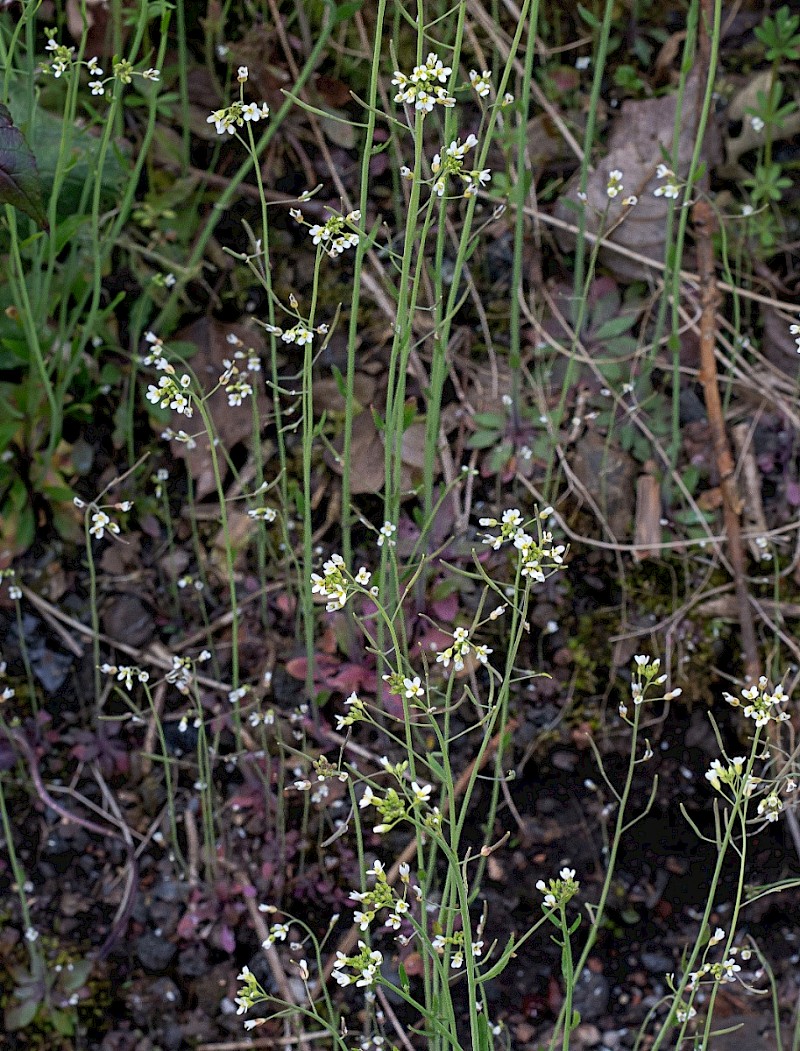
column 756, row 123
column 385, row 534
column 481, row 82
column 100, row 523
column 614, row 186
column 413, row 687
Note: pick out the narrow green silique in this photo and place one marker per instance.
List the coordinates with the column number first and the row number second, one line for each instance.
column 446, row 309
column 583, row 274
column 20, row 878
column 353, row 327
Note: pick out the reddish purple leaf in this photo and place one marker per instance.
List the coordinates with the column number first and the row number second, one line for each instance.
column 19, row 176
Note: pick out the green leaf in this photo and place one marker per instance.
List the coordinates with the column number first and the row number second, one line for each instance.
column 409, row 414
column 20, row 185
column 482, row 440
column 620, row 346
column 47, row 137
column 436, row 767
column 344, row 12
column 691, row 477
column 20, row 1015
column 485, row 1042
column 494, row 420
column 405, row 984
column 341, row 385
column 588, row 17
column 62, row 1022
column 500, row 457
column 615, row 326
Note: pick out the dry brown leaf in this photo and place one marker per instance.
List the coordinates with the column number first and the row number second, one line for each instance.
column 748, row 138
column 367, row 456
column 642, row 131
column 710, row 499
column 607, row 473
column 753, row 518
column 233, row 425
column 647, row 531
column 98, row 39
column 328, row 397
column 241, row 528
column 778, row 345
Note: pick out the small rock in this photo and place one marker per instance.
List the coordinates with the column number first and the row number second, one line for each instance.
column 591, row 995
column 613, row 1038
column 155, row 954
column 127, row 617
column 657, row 962
column 586, row 1035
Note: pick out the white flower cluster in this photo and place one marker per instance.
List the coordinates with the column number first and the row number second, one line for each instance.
column 236, row 381
column 8, row 691
column 125, row 673
column 762, row 703
column 300, row 333
column 452, row 164
column 481, row 82
column 614, row 185
column 539, row 556
column 336, row 584
column 393, row 808
column 423, row 88
column 250, row 994
column 180, row 674
column 770, row 807
column 456, row 943
column 795, row 331
column 170, row 391
column 100, row 522
column 647, row 673
column 365, row 967
column 14, row 590
column 333, row 584
column 263, row 514
column 62, row 56
column 229, row 118
column 460, row 650
column 333, row 236
column 63, row 59
column 380, row 897
column 356, row 712
column 386, row 535
column 719, row 775
column 723, row 972
column 179, row 436
column 559, row 891
column 671, row 186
